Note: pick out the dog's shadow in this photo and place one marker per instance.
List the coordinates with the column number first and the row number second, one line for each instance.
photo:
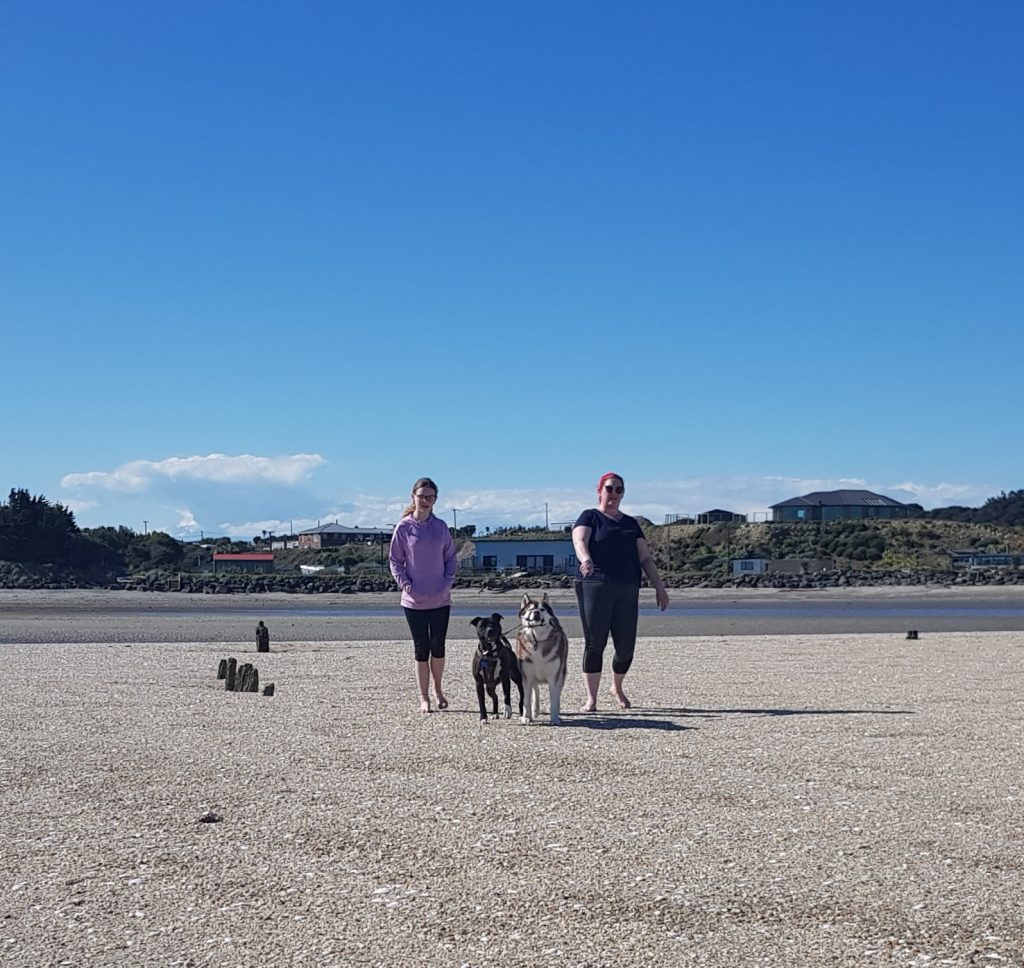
column 621, row 721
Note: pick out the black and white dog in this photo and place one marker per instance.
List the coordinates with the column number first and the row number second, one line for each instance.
column 495, row 663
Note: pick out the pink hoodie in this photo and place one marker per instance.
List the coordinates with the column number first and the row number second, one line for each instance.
column 423, row 561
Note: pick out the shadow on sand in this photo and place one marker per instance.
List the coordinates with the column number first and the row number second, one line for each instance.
column 630, row 720
column 716, row 713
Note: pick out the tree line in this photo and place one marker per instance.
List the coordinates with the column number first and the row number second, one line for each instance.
column 34, row 530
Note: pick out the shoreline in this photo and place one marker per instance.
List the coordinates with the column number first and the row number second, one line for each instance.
column 74, row 615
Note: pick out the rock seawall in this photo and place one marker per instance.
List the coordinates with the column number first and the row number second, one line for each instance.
column 14, row 575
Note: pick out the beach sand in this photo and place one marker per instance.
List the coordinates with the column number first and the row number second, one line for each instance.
column 791, row 800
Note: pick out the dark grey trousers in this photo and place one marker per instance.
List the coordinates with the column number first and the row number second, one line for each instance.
column 608, row 607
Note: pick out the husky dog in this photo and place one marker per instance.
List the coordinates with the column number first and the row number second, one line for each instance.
column 543, row 652
column 494, row 664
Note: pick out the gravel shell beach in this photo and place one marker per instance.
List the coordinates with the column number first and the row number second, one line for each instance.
column 789, row 800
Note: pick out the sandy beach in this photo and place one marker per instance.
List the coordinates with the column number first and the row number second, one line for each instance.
column 802, row 799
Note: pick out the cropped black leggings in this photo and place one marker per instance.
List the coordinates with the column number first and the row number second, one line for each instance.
column 429, row 627
column 608, row 606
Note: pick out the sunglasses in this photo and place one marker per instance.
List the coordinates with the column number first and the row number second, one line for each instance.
column 614, row 488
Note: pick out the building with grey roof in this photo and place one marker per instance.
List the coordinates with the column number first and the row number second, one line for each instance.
column 840, row 505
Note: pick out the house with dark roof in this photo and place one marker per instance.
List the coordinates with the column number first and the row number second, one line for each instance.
column 335, row 535
column 840, row 505
column 717, row 516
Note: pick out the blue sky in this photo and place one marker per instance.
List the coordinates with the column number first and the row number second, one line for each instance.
column 264, row 264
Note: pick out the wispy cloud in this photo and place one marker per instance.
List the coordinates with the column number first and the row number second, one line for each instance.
column 76, row 507
column 246, row 496
column 140, row 475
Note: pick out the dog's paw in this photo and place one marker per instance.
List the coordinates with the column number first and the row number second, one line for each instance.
column 483, row 722
column 525, row 720
column 507, row 712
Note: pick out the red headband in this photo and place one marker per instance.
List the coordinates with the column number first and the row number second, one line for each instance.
column 604, row 477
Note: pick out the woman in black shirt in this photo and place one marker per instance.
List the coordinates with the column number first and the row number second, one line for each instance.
column 612, row 554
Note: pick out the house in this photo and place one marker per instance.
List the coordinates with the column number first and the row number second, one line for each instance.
column 538, row 556
column 335, row 535
column 966, row 560
column 781, row 566
column 839, row 505
column 717, row 515
column 283, row 542
column 257, row 561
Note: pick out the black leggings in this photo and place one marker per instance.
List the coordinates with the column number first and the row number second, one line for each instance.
column 608, row 606
column 429, row 626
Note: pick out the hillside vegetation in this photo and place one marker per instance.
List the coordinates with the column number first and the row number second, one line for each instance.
column 919, row 545
column 38, row 536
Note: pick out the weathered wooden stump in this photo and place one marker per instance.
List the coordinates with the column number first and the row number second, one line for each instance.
column 222, row 669
column 269, row 691
column 243, row 677
column 229, row 679
column 262, row 637
column 912, row 634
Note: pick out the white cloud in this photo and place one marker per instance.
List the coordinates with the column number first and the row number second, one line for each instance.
column 943, row 494
column 139, row 475
column 260, row 503
column 76, row 507
column 187, row 521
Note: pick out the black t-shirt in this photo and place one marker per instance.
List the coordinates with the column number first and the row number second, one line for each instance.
column 612, row 546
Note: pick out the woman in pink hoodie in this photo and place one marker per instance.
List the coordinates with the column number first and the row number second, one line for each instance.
column 423, row 561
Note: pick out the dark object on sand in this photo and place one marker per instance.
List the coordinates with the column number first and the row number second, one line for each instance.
column 248, row 678
column 210, row 817
column 239, row 678
column 912, row 634
column 269, row 691
column 262, row 637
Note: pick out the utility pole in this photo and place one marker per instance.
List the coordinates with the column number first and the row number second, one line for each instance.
column 455, row 519
column 546, row 527
column 145, row 526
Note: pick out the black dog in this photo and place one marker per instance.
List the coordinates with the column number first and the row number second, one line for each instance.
column 494, row 662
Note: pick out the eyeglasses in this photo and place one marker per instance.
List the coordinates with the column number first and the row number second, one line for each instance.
column 426, row 497
column 614, row 488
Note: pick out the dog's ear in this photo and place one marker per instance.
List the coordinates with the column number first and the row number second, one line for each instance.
column 525, row 601
column 496, row 618
column 544, row 599
column 475, row 621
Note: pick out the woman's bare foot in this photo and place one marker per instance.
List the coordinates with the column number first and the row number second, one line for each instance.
column 424, row 705
column 621, row 698
column 590, row 706
column 442, row 703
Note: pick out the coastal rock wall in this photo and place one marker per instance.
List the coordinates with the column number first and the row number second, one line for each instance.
column 14, row 575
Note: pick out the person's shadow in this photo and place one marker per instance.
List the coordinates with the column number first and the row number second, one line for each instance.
column 622, row 720
column 668, row 718
column 694, row 712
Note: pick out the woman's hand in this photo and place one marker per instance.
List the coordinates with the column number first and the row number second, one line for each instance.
column 662, row 596
column 586, row 568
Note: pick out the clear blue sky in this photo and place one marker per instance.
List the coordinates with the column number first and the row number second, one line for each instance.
column 736, row 251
